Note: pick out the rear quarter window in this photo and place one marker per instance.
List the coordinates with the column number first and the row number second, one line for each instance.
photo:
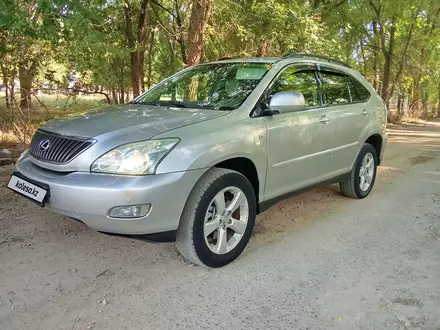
column 359, row 93
column 336, row 88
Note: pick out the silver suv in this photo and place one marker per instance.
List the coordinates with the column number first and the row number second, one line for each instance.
column 206, row 150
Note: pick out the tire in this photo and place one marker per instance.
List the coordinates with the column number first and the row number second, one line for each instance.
column 191, row 240
column 353, row 186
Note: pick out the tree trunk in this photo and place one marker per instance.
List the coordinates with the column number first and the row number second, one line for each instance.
column 12, row 91
column 172, row 59
column 388, row 54
column 399, row 106
column 26, row 76
column 201, row 10
column 426, row 108
column 135, row 73
column 122, row 97
column 386, row 79
column 263, row 48
column 120, row 87
column 404, row 54
column 431, row 20
column 416, row 96
column 135, row 84
column 375, row 57
column 364, row 59
column 141, row 70
column 438, row 106
column 5, row 83
column 180, row 38
column 438, row 101
column 136, row 45
column 115, row 96
column 142, row 38
column 150, row 59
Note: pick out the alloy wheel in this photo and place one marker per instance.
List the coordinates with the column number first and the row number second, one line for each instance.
column 226, row 220
column 366, row 172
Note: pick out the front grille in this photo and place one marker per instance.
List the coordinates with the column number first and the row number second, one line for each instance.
column 57, row 148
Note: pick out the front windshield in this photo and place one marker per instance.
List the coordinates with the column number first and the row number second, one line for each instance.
column 218, row 86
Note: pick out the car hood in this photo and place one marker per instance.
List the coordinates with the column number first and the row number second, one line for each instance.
column 134, row 119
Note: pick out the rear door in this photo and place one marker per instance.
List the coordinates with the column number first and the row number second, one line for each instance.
column 298, row 143
column 346, row 101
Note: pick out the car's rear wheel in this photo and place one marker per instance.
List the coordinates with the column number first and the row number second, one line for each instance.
column 363, row 175
column 218, row 218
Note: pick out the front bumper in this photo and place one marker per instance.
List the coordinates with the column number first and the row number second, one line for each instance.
column 88, row 197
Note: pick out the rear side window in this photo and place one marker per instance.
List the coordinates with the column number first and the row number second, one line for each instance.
column 304, row 82
column 336, row 88
column 358, row 91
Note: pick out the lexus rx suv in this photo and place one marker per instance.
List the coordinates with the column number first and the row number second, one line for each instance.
column 206, row 150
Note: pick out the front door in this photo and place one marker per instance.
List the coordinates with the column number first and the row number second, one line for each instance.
column 298, row 143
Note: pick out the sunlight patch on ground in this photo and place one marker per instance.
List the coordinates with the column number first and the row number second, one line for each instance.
column 393, row 132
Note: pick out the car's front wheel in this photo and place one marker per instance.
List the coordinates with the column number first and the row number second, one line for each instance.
column 218, row 218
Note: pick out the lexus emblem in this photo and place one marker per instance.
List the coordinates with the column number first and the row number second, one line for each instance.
column 44, row 145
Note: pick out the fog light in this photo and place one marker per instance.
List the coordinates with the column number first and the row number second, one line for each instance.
column 129, row 211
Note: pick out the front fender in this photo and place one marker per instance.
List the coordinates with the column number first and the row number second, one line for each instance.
column 206, row 144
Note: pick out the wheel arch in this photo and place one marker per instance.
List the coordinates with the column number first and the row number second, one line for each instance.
column 246, row 167
column 376, row 141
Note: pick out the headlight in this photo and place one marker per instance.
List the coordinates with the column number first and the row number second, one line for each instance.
column 134, row 158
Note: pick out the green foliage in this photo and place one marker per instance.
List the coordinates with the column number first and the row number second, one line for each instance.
column 87, row 38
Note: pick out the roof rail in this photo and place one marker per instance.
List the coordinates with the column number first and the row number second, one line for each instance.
column 222, row 59
column 315, row 56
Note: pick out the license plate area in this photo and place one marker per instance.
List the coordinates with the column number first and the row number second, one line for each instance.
column 37, row 192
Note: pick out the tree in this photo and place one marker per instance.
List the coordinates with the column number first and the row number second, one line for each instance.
column 136, row 42
column 201, row 10
column 31, row 26
column 121, row 47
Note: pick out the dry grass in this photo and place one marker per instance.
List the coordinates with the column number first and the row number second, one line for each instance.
column 417, row 121
column 18, row 125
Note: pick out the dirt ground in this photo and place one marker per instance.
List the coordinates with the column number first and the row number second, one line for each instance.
column 316, row 261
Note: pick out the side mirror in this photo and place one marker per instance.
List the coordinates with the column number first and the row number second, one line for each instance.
column 287, row 102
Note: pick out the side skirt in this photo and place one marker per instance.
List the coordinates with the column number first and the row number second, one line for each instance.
column 264, row 206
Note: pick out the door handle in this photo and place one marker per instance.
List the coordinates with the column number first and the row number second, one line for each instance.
column 324, row 120
column 365, row 112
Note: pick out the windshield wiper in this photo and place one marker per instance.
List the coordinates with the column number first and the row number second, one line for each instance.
column 172, row 103
column 177, row 104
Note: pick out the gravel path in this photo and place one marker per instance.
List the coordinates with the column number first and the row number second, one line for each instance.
column 316, row 261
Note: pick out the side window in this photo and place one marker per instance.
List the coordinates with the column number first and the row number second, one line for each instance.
column 305, row 82
column 336, row 88
column 358, row 91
